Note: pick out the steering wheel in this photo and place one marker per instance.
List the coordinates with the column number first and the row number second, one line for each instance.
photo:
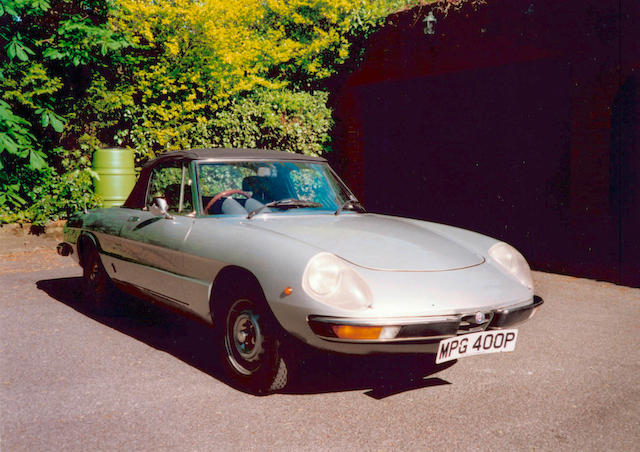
column 222, row 194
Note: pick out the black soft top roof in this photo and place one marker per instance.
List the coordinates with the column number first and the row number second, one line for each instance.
column 227, row 153
column 136, row 199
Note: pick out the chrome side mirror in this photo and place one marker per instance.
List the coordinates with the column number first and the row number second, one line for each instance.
column 160, row 208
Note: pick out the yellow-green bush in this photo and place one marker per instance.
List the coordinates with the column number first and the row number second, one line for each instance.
column 201, row 63
column 157, row 75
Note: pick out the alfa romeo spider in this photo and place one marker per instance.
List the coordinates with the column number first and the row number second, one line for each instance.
column 272, row 249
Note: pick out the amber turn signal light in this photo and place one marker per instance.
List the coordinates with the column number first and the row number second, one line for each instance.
column 357, row 332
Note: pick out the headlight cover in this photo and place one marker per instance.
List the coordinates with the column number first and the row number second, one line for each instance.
column 513, row 262
column 330, row 280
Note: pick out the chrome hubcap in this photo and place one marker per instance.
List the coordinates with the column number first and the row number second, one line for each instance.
column 243, row 339
column 246, row 330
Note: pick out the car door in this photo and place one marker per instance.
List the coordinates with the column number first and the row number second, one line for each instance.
column 152, row 244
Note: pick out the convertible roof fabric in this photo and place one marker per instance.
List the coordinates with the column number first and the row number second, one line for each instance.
column 136, row 199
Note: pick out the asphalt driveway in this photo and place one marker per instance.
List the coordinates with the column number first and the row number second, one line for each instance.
column 146, row 379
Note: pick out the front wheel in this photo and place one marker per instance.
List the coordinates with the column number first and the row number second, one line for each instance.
column 251, row 347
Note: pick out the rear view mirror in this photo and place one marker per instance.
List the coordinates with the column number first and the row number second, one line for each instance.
column 160, row 208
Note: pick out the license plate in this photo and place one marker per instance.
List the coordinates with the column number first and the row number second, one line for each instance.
column 476, row 344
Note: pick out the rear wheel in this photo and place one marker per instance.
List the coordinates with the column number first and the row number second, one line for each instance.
column 97, row 287
column 250, row 345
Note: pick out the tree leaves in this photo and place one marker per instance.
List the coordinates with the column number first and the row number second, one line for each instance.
column 16, row 48
column 7, row 144
column 34, row 108
column 279, row 119
column 48, row 117
column 15, row 137
column 78, row 41
column 36, row 159
column 197, row 60
column 56, row 122
column 16, row 8
column 160, row 75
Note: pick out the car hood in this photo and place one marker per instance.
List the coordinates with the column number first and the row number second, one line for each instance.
column 374, row 241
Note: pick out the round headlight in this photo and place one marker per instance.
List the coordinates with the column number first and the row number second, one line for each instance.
column 323, row 274
column 513, row 262
column 330, row 280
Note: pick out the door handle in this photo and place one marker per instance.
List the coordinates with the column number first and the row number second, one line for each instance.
column 134, row 218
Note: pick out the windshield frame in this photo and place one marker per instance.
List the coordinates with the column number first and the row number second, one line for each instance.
column 341, row 186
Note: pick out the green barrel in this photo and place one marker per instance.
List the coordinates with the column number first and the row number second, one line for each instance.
column 117, row 175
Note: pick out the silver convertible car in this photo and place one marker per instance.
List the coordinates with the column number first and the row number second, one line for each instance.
column 273, row 250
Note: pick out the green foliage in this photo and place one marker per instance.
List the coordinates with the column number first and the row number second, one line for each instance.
column 19, row 159
column 16, row 48
column 53, row 52
column 15, row 139
column 157, row 75
column 295, row 121
column 78, row 41
column 54, row 194
column 199, row 64
column 62, row 195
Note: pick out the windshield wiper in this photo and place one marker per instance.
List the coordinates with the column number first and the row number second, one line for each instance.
column 350, row 204
column 288, row 203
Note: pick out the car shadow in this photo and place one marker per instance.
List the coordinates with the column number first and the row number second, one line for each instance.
column 381, row 376
column 191, row 341
column 185, row 338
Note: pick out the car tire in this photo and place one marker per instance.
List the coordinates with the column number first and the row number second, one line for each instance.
column 250, row 340
column 97, row 288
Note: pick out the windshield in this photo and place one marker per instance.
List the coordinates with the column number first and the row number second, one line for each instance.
column 239, row 188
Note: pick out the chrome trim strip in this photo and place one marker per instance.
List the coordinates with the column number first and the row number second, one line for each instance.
column 384, row 321
column 445, row 321
column 403, row 340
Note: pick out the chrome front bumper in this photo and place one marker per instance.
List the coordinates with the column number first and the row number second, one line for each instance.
column 506, row 318
column 414, row 330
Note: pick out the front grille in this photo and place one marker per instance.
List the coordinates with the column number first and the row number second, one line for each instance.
column 468, row 323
